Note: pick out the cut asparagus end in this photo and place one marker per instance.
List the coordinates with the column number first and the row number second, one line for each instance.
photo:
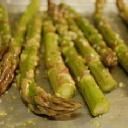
column 96, row 101
column 100, row 108
column 109, row 87
column 62, row 83
column 66, row 91
column 104, row 79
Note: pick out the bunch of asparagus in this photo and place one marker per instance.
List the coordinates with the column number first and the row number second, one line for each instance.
column 39, row 101
column 58, row 73
column 5, row 32
column 101, row 74
column 71, row 44
column 95, row 39
column 112, row 38
column 123, row 10
column 88, row 87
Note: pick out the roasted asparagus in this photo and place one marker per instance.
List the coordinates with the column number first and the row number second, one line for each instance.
column 101, row 74
column 93, row 36
column 112, row 38
column 10, row 60
column 58, row 73
column 92, row 94
column 38, row 100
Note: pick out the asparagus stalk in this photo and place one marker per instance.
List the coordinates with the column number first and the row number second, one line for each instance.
column 10, row 60
column 112, row 38
column 123, row 10
column 95, row 39
column 58, row 74
column 37, row 99
column 101, row 74
column 94, row 97
column 5, row 32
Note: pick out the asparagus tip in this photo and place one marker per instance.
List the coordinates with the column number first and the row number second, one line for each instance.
column 53, row 106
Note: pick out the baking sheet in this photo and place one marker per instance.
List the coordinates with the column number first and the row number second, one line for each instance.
column 14, row 114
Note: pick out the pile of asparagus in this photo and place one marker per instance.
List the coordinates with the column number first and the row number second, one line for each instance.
column 77, row 56
column 38, row 100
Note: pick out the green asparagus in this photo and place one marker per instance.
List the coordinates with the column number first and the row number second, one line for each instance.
column 10, row 60
column 58, row 74
column 123, row 10
column 95, row 39
column 5, row 32
column 101, row 74
column 94, row 97
column 112, row 38
column 39, row 101
column 92, row 94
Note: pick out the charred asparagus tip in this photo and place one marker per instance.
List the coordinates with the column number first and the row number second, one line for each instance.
column 55, row 107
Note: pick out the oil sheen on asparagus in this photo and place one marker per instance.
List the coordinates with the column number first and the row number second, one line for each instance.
column 92, row 94
column 112, row 38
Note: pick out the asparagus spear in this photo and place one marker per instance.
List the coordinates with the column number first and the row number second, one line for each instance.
column 123, row 10
column 5, row 33
column 37, row 99
column 95, row 39
column 94, row 97
column 112, row 38
column 58, row 73
column 10, row 60
column 101, row 74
